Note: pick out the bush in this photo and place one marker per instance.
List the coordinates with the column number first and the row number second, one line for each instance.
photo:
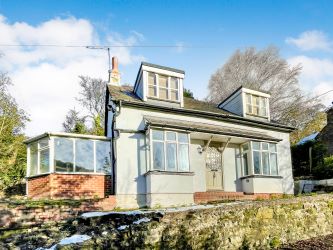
column 300, row 157
column 324, row 170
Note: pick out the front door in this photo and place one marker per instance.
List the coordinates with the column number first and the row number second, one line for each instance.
column 214, row 175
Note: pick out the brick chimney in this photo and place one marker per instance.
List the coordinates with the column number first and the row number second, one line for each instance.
column 115, row 75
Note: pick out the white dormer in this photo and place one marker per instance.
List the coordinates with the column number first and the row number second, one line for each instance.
column 155, row 83
column 248, row 103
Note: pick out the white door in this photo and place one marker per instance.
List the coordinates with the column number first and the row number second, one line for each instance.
column 214, row 175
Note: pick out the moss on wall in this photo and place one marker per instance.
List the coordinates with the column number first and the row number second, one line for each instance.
column 241, row 225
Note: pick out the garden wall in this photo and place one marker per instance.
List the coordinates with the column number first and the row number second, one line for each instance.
column 20, row 214
column 238, row 225
column 254, row 225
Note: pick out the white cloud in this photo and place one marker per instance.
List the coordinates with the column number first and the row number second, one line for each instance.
column 316, row 77
column 311, row 40
column 46, row 78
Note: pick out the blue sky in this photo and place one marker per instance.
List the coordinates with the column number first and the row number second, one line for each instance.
column 212, row 30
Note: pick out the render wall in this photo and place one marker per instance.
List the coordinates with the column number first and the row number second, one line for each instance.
column 133, row 161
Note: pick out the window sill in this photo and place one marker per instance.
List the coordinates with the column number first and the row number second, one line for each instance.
column 261, row 176
column 163, row 172
column 259, row 116
column 80, row 173
column 65, row 173
column 164, row 100
column 37, row 175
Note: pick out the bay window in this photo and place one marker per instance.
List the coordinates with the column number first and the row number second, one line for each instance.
column 163, row 87
column 259, row 158
column 256, row 105
column 170, row 151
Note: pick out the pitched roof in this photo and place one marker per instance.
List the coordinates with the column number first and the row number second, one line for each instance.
column 125, row 93
column 192, row 107
column 163, row 67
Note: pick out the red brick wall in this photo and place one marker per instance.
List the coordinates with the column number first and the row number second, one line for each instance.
column 210, row 196
column 64, row 186
column 204, row 197
column 39, row 187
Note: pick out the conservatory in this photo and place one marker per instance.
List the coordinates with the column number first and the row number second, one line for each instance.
column 63, row 165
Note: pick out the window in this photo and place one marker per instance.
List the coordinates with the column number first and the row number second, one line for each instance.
column 69, row 155
column 33, row 159
column 63, row 155
column 39, row 157
column 170, row 151
column 84, row 155
column 245, row 149
column 103, row 159
column 262, row 156
column 163, row 87
column 81, row 155
column 256, row 105
column 44, row 156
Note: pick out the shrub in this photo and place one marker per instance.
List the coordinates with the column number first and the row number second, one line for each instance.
column 324, row 170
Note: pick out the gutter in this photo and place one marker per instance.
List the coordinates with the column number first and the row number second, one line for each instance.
column 212, row 115
column 60, row 134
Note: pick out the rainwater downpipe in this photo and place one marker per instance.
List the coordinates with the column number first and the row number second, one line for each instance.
column 115, row 113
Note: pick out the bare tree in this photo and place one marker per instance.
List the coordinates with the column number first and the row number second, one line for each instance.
column 92, row 96
column 265, row 70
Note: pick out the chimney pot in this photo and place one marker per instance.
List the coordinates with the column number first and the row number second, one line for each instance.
column 115, row 64
column 115, row 75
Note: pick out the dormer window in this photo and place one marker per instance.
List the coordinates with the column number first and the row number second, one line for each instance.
column 163, row 87
column 160, row 85
column 248, row 103
column 256, row 105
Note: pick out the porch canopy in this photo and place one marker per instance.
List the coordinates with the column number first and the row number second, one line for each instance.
column 201, row 130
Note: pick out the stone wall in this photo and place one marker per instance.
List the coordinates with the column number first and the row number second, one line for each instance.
column 249, row 225
column 239, row 225
column 22, row 214
column 67, row 186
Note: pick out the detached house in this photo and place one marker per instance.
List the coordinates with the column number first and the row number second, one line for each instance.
column 163, row 149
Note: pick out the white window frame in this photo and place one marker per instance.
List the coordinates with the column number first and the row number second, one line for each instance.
column 253, row 105
column 165, row 141
column 51, row 148
column 250, row 158
column 168, row 88
column 39, row 149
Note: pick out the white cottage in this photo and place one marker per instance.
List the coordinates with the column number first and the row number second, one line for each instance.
column 172, row 150
column 163, row 149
